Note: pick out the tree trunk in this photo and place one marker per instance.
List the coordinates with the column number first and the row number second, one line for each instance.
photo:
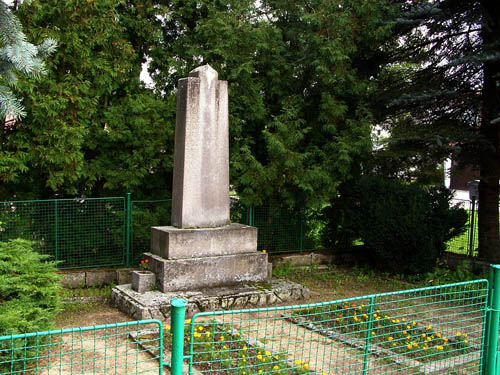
column 489, row 240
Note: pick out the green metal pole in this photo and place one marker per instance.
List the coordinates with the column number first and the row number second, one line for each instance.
column 301, row 239
column 177, row 315
column 127, row 229
column 471, row 233
column 56, row 225
column 367, row 339
column 493, row 321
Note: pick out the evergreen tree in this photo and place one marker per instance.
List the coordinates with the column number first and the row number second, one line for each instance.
column 299, row 79
column 17, row 54
column 91, row 128
column 443, row 88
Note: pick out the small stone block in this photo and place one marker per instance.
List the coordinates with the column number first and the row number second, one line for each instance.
column 175, row 243
column 188, row 274
column 143, row 281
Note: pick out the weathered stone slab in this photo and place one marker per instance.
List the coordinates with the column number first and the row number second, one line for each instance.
column 73, row 280
column 156, row 305
column 195, row 273
column 200, row 190
column 100, row 277
column 175, row 243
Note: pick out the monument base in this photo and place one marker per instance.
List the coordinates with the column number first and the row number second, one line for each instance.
column 194, row 273
column 181, row 243
column 156, row 305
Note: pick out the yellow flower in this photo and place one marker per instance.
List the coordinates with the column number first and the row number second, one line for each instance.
column 224, row 347
column 408, row 327
column 405, row 333
column 275, row 367
column 429, row 327
column 200, row 328
column 408, row 346
column 408, row 337
column 306, row 366
column 438, row 335
column 244, row 372
column 259, row 357
column 465, row 335
column 221, row 338
column 245, row 347
column 207, row 333
column 466, row 341
column 375, row 315
column 188, row 321
column 197, row 335
column 237, row 334
column 429, row 339
column 267, row 352
column 445, row 339
column 167, row 327
column 373, row 333
column 276, row 357
column 414, row 324
column 404, row 320
column 390, row 338
column 397, row 321
column 264, row 251
column 458, row 334
column 439, row 347
column 393, row 321
column 365, row 316
column 260, row 371
column 423, row 335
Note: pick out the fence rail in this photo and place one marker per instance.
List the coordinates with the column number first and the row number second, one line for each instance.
column 430, row 330
column 446, row 329
column 98, row 232
column 107, row 349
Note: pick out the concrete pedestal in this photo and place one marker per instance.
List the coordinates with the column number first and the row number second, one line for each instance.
column 176, row 243
column 194, row 273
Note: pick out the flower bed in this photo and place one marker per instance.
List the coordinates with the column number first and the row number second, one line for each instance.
column 401, row 336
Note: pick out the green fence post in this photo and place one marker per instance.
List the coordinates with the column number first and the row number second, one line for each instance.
column 301, row 229
column 177, row 315
column 56, row 225
column 127, row 229
column 367, row 338
column 493, row 318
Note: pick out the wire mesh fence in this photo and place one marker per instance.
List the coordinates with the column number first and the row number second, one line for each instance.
column 76, row 232
column 108, row 349
column 437, row 330
column 97, row 232
column 144, row 215
column 467, row 242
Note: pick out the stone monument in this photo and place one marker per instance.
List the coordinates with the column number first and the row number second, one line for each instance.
column 202, row 248
column 203, row 257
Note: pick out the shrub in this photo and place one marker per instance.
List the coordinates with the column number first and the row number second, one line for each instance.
column 404, row 226
column 29, row 289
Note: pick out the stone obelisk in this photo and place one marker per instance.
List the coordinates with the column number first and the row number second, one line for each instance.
column 200, row 192
column 202, row 248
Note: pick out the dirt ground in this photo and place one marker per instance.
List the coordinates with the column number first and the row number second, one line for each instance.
column 324, row 355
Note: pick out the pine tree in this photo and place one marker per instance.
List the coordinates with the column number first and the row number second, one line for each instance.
column 17, row 54
column 442, row 85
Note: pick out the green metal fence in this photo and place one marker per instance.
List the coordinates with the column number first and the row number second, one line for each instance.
column 437, row 330
column 97, row 232
column 121, row 348
column 466, row 243
column 75, row 232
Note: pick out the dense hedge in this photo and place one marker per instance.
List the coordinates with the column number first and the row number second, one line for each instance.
column 29, row 294
column 404, row 226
